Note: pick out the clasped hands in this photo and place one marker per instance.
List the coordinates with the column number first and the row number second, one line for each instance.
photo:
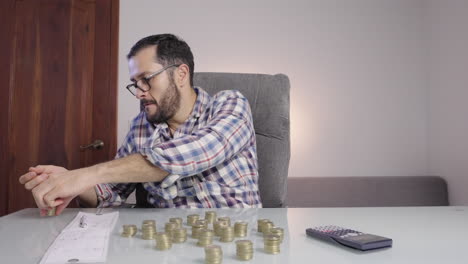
column 54, row 186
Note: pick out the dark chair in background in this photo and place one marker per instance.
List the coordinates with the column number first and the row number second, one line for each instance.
column 367, row 191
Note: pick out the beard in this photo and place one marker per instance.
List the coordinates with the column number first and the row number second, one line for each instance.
column 166, row 109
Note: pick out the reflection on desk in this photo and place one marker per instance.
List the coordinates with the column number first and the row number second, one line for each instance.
column 420, row 235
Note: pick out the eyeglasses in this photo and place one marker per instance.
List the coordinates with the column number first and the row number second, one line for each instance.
column 144, row 83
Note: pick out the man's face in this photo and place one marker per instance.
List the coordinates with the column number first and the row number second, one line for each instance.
column 162, row 100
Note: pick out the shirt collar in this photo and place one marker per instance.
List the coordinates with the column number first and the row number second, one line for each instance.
column 203, row 99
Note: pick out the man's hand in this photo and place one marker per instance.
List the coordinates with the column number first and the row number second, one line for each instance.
column 36, row 176
column 54, row 186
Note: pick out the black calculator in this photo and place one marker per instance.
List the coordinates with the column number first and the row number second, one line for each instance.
column 350, row 238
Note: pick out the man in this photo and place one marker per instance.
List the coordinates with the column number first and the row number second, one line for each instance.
column 185, row 148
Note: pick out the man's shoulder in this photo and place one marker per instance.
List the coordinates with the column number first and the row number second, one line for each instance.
column 229, row 97
column 230, row 101
column 228, row 94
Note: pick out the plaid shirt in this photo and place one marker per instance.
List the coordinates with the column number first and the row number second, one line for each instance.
column 211, row 159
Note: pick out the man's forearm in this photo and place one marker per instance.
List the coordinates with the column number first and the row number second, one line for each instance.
column 89, row 198
column 133, row 168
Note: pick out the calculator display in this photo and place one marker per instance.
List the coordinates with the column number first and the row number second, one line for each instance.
column 365, row 238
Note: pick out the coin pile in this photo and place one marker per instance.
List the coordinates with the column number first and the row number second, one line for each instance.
column 163, row 241
column 244, row 249
column 218, row 226
column 222, row 222
column 202, row 222
column 213, row 254
column 129, row 230
column 277, row 231
column 260, row 223
column 240, row 229
column 175, row 233
column 169, row 228
column 148, row 229
column 205, row 237
column 152, row 222
column 210, row 217
column 176, row 220
column 272, row 244
column 225, row 219
column 267, row 226
column 179, row 235
column 196, row 229
column 51, row 211
column 227, row 234
column 191, row 219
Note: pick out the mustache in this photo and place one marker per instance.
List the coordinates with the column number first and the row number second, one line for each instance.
column 146, row 101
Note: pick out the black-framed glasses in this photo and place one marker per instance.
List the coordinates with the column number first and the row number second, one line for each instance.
column 144, row 83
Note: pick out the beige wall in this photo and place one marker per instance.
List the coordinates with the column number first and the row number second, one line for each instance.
column 448, row 95
column 358, row 69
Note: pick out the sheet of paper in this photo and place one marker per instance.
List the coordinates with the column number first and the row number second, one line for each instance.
column 84, row 240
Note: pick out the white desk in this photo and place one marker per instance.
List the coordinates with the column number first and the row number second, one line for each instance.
column 420, row 235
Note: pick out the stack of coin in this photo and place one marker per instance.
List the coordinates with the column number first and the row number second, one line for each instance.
column 129, row 230
column 260, row 223
column 179, row 235
column 191, row 219
column 277, row 231
column 267, row 226
column 205, row 237
column 240, row 229
column 203, row 222
column 210, row 217
column 272, row 244
column 169, row 228
column 148, row 230
column 152, row 222
column 218, row 225
column 196, row 228
column 225, row 219
column 244, row 249
column 213, row 254
column 51, row 211
column 227, row 234
column 163, row 241
column 176, row 220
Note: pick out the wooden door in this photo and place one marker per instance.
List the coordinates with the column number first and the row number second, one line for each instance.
column 61, row 88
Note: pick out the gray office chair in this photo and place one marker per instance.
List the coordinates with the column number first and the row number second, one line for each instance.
column 268, row 96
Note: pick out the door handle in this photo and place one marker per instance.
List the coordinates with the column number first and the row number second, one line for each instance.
column 97, row 144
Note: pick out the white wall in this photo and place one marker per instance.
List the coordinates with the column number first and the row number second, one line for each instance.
column 358, row 86
column 448, row 95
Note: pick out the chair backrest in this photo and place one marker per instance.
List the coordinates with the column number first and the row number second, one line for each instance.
column 268, row 96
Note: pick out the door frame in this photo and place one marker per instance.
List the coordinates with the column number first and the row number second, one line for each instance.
column 7, row 8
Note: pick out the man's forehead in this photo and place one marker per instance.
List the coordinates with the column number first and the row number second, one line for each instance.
column 143, row 61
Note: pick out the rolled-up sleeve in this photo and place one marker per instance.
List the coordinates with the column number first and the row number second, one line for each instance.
column 114, row 194
column 228, row 132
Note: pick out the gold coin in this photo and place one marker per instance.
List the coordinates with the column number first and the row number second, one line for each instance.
column 192, row 218
column 210, row 216
column 51, row 212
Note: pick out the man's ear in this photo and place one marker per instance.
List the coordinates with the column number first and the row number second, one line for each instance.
column 183, row 75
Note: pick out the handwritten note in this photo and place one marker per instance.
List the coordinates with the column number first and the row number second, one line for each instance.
column 86, row 243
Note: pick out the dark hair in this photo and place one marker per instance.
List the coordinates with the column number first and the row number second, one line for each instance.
column 170, row 49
